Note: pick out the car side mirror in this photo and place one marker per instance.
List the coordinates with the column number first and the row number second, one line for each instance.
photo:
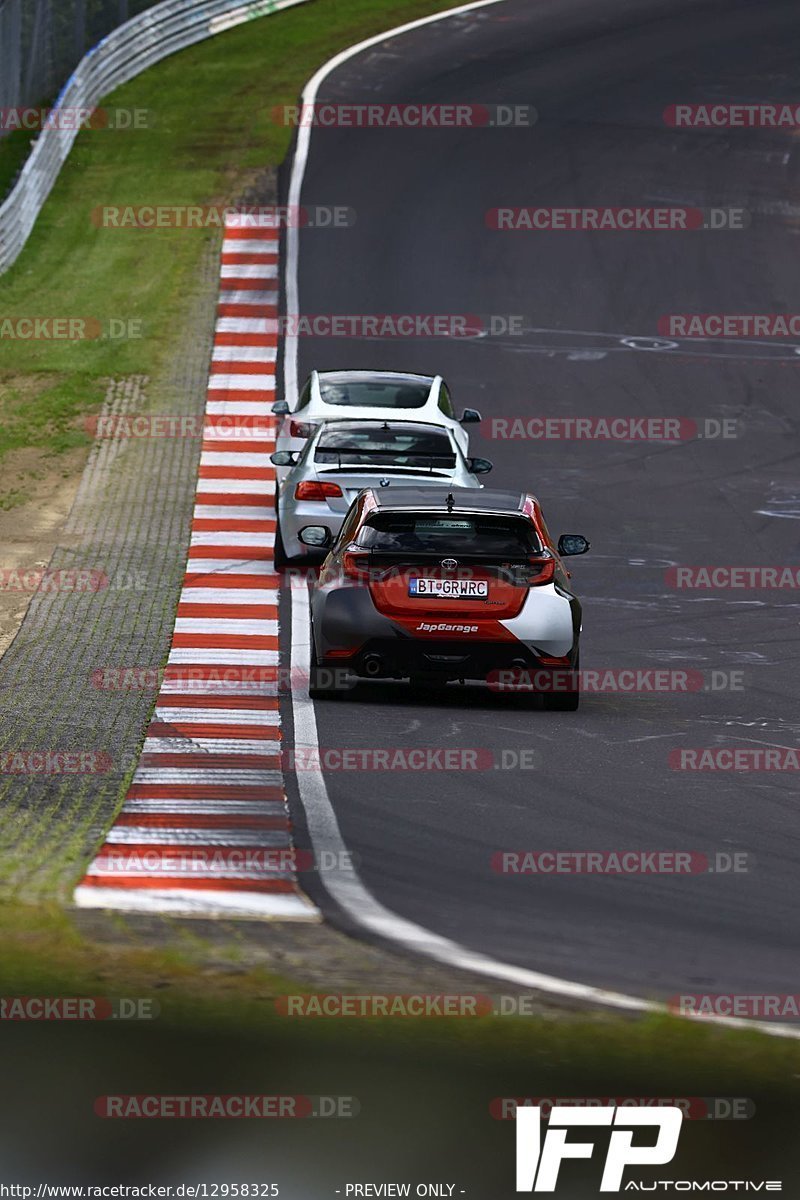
column 479, row 466
column 283, row 458
column 470, row 416
column 281, row 408
column 315, row 535
column 572, row 543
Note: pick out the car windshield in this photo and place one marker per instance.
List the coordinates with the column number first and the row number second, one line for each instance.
column 397, row 446
column 471, row 535
column 374, row 393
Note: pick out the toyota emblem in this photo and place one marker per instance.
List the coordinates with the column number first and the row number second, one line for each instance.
column 449, row 564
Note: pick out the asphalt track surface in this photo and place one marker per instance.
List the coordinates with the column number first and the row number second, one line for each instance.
column 600, row 75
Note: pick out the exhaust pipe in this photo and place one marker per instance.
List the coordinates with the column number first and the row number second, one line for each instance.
column 373, row 665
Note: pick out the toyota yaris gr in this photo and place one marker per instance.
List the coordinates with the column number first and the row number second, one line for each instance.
column 433, row 586
column 343, row 457
column 369, row 395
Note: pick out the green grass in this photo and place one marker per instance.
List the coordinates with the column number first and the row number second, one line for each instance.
column 43, row 412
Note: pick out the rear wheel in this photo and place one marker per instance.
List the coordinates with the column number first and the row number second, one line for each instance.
column 564, row 701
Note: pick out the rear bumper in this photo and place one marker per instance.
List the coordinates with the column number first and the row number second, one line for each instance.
column 385, row 658
column 351, row 635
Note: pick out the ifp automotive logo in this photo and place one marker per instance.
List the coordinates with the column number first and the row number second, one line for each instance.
column 538, row 1160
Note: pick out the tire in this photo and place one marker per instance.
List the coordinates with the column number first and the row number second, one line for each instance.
column 319, row 686
column 563, row 701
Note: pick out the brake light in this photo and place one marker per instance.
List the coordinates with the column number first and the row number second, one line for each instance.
column 301, row 429
column 312, row 489
column 541, row 570
column 354, row 565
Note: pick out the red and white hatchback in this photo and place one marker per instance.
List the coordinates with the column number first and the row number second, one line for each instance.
column 433, row 587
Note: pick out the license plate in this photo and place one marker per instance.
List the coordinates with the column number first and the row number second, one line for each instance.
column 447, row 589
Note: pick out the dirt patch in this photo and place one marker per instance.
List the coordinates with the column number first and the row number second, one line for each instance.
column 38, row 492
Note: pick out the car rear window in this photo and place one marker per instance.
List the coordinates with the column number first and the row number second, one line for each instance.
column 385, row 446
column 504, row 537
column 374, row 393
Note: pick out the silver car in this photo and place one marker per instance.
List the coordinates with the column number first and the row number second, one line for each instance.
column 341, row 458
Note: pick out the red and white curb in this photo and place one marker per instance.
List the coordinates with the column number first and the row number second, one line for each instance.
column 205, row 819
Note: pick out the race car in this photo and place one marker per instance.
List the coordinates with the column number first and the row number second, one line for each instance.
column 341, row 458
column 434, row 585
column 369, row 395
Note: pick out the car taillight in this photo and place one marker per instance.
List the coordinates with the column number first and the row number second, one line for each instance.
column 301, row 429
column 540, row 570
column 354, row 565
column 312, row 489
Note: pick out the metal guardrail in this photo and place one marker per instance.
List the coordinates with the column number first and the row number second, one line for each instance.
column 134, row 46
